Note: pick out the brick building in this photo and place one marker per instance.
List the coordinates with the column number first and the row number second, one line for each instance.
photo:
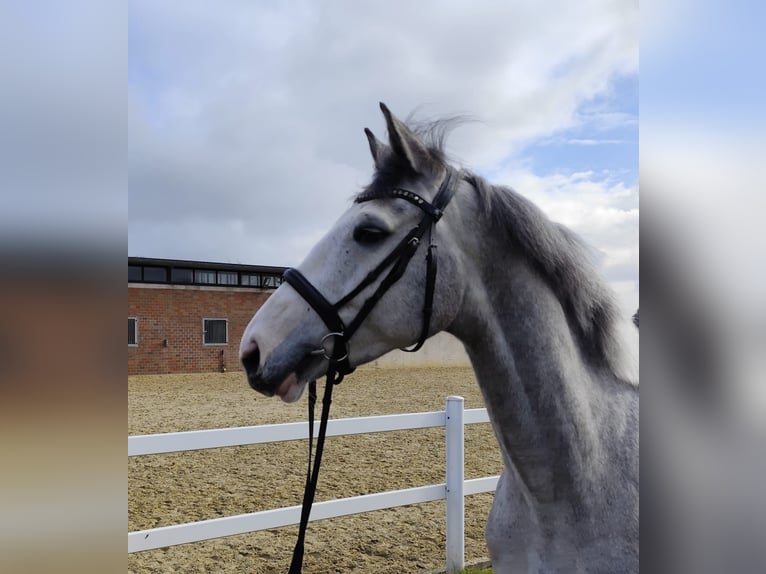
column 189, row 316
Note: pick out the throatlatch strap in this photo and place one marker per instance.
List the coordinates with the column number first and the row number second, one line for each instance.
column 428, row 301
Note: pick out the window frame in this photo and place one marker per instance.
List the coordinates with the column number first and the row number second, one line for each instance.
column 175, row 272
column 245, row 280
column 205, row 276
column 151, row 269
column 270, row 281
column 231, row 274
column 204, row 331
column 140, row 269
column 135, row 331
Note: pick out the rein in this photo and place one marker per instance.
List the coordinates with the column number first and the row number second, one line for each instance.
column 339, row 366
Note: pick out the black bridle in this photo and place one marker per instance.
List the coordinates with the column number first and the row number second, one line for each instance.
column 340, row 333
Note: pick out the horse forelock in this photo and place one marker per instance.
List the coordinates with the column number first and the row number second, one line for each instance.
column 394, row 171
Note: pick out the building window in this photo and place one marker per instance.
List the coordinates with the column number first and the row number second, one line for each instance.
column 272, row 281
column 134, row 273
column 227, row 277
column 155, row 275
column 181, row 275
column 132, row 332
column 251, row 279
column 215, row 331
column 202, row 276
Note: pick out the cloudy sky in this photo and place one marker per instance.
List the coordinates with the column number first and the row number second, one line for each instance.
column 245, row 118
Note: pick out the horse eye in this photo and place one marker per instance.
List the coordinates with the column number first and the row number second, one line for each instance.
column 369, row 235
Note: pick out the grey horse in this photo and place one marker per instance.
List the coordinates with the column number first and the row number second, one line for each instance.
column 556, row 363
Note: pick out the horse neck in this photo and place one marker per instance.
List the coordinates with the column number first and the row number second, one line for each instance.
column 544, row 398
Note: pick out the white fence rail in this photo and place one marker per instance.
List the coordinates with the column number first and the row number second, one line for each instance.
column 454, row 489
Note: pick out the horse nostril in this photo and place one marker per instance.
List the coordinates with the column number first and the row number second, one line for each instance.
column 251, row 360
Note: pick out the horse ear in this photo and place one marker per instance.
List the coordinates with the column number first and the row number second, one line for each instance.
column 405, row 143
column 378, row 149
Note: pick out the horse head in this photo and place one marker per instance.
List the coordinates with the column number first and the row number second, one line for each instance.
column 374, row 270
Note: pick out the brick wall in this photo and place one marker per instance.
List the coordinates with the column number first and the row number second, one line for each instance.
column 174, row 314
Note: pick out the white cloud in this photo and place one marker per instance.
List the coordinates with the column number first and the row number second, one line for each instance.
column 575, row 141
column 246, row 122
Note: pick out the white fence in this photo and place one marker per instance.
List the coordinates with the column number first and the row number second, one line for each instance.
column 454, row 489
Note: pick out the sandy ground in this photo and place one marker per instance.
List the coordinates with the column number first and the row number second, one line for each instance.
column 183, row 487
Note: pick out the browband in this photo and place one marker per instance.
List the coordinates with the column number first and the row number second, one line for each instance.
column 435, row 210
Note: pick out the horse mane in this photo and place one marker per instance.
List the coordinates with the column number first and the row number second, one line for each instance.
column 560, row 257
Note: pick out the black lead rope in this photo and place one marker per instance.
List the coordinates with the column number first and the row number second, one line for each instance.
column 312, row 473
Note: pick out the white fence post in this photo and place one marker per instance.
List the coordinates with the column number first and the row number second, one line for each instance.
column 455, row 477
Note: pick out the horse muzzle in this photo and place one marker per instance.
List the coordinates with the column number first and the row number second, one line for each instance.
column 251, row 359
column 289, row 385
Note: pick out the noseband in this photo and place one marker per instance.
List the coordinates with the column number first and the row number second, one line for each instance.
column 340, row 333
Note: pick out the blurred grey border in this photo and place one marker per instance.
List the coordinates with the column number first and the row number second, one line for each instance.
column 63, row 222
column 63, row 242
column 703, row 413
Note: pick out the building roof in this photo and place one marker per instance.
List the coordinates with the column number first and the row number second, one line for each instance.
column 203, row 273
column 205, row 265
